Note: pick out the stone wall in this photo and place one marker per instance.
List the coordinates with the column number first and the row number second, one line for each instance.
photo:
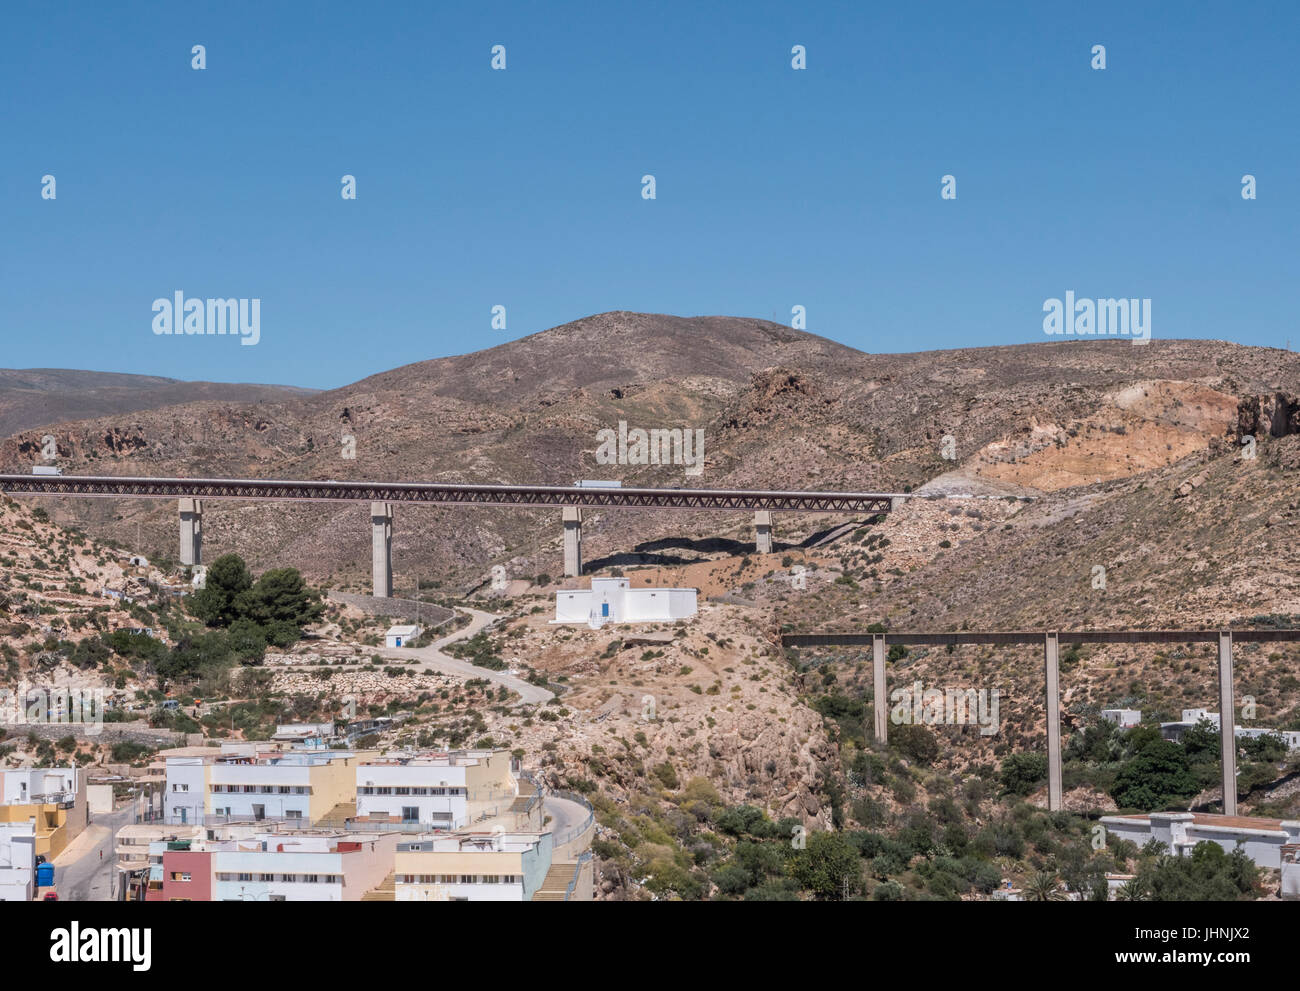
column 109, row 733
column 430, row 616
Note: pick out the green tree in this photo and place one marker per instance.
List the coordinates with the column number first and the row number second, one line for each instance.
column 827, row 865
column 1157, row 777
column 1044, row 886
column 1023, row 771
column 280, row 596
column 247, row 640
column 228, row 579
column 1201, row 743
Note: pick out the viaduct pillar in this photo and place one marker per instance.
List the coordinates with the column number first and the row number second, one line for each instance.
column 381, row 549
column 763, row 531
column 191, row 531
column 1051, row 664
column 1227, row 725
column 572, row 516
column 879, row 687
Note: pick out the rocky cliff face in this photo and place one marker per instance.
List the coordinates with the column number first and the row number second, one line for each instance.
column 1275, row 414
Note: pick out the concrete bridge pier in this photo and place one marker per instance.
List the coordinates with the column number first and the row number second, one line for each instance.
column 191, row 531
column 1051, row 663
column 1227, row 725
column 880, row 688
column 763, row 531
column 572, row 516
column 381, row 549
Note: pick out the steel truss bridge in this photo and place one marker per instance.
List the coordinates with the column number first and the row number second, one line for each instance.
column 283, row 490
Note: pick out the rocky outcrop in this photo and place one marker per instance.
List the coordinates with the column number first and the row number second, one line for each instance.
column 1273, row 415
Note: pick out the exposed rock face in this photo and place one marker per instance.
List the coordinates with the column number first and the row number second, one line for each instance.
column 1275, row 415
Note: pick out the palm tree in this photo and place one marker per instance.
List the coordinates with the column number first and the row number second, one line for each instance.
column 1130, row 891
column 1044, row 886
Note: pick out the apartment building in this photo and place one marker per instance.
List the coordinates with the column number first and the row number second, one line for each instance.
column 472, row 867
column 272, row 866
column 436, row 790
column 52, row 799
column 134, row 841
column 303, row 786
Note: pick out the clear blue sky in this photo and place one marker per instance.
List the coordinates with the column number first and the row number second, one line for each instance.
column 522, row 188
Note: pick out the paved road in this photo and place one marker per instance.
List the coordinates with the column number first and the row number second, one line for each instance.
column 432, row 659
column 566, row 814
column 80, row 874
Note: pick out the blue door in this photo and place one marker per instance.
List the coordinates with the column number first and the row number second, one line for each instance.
column 397, row 641
column 604, row 608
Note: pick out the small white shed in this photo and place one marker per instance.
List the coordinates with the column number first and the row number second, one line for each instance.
column 401, row 636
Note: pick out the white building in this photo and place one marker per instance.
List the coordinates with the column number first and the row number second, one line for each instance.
column 441, row 791
column 401, row 636
column 17, row 861
column 39, row 785
column 1191, row 717
column 1262, row 839
column 1123, row 718
column 613, row 600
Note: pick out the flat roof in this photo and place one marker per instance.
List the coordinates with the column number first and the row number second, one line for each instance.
column 1214, row 819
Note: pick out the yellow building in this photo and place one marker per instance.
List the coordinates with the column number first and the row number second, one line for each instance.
column 52, row 798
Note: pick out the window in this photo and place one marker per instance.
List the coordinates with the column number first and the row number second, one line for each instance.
column 245, row 877
column 180, row 875
column 293, row 814
column 401, row 791
column 468, row 879
column 410, row 813
column 266, row 877
column 284, row 789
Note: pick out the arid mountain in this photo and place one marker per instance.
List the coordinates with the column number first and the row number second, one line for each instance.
column 1080, row 485
column 779, row 408
column 34, row 397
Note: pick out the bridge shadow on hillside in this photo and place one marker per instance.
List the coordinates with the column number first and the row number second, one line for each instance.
column 634, row 559
column 672, row 551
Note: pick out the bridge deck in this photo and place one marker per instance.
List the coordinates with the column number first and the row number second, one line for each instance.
column 285, row 490
column 1036, row 637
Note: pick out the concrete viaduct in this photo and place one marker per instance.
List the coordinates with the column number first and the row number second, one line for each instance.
column 1051, row 671
column 191, row 493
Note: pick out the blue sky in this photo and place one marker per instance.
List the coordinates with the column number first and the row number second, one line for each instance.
column 522, row 188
